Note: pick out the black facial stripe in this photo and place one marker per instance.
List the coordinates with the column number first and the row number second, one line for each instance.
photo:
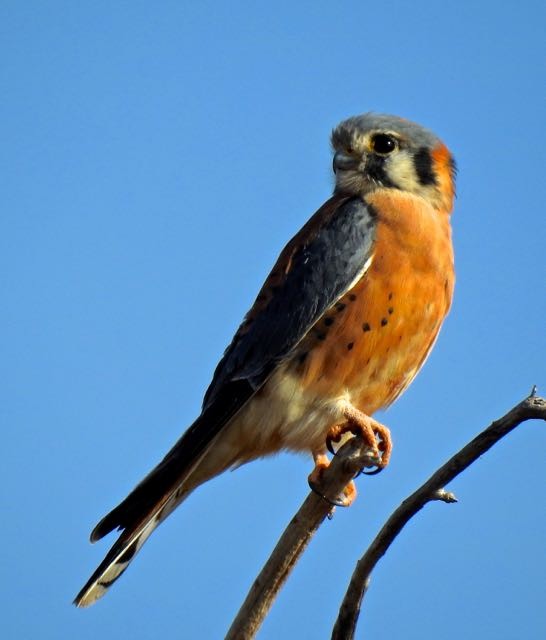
column 422, row 161
column 375, row 168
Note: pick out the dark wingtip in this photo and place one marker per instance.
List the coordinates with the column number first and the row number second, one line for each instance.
column 105, row 526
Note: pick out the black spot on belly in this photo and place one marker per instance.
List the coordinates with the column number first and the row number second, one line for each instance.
column 390, row 310
column 321, row 336
column 384, row 321
column 340, row 306
column 302, row 358
column 366, row 327
column 352, row 297
column 390, row 296
column 328, row 321
column 350, row 346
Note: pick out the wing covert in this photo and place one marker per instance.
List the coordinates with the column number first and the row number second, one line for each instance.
column 319, row 265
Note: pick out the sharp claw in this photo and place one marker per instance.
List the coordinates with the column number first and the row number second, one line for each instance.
column 330, row 447
column 372, row 473
column 335, row 502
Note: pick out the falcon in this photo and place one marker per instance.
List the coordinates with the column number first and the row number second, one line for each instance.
column 341, row 326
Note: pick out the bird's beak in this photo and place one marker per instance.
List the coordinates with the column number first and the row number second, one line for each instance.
column 343, row 162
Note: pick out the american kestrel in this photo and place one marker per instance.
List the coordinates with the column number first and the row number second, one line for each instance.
column 340, row 328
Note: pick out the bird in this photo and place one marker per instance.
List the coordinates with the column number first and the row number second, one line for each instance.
column 341, row 326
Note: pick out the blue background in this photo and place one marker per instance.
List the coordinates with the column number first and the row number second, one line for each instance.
column 154, row 159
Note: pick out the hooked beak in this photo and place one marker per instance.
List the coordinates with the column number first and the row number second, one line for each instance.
column 344, row 162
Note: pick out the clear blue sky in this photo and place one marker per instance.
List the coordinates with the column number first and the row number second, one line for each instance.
column 154, row 159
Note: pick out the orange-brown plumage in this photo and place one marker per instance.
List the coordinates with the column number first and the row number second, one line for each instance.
column 375, row 339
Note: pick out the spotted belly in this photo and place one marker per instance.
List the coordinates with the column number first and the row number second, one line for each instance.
column 370, row 353
column 358, row 354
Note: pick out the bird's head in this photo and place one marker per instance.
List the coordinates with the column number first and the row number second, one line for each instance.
column 374, row 151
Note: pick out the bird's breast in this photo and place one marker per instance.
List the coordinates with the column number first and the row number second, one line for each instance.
column 373, row 341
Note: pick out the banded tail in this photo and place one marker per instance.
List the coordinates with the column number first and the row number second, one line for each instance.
column 155, row 498
column 115, row 563
column 163, row 489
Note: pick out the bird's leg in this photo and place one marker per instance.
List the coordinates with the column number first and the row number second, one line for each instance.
column 315, row 480
column 375, row 434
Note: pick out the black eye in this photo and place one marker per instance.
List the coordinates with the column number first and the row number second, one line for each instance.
column 383, row 143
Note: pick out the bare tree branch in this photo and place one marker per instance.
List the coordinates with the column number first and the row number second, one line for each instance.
column 351, row 458
column 531, row 407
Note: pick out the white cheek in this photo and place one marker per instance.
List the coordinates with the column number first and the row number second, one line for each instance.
column 401, row 171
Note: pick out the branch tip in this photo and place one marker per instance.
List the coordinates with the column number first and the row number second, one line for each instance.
column 444, row 496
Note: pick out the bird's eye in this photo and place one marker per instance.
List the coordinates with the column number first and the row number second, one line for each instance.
column 383, row 144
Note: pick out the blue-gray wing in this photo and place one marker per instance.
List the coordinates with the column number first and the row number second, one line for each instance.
column 313, row 271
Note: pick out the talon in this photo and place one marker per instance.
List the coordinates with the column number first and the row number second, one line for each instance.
column 385, row 442
column 375, row 471
column 374, row 468
column 376, row 435
column 334, row 502
column 315, row 483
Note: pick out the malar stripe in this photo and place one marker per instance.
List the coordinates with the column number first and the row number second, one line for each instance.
column 375, row 168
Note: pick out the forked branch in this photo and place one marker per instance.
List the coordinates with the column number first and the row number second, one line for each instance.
column 352, row 457
column 432, row 489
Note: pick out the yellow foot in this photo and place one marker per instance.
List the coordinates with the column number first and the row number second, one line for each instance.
column 316, row 482
column 375, row 434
